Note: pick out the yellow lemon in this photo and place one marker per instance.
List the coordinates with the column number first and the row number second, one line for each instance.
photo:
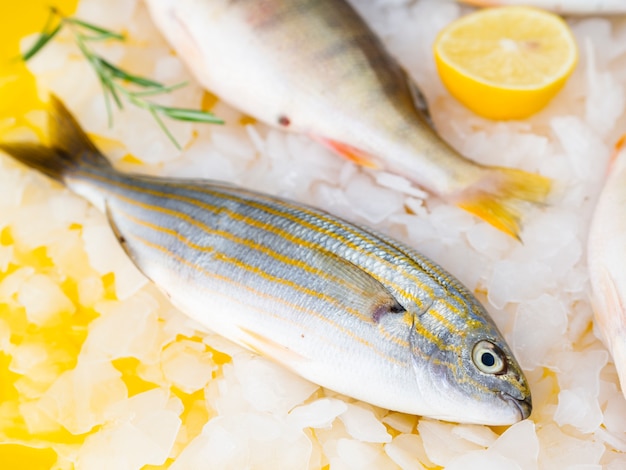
column 507, row 62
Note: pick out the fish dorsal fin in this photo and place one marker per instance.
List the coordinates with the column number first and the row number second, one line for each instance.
column 419, row 100
column 358, row 289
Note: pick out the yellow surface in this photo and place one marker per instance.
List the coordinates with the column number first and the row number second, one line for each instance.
column 17, row 86
column 17, row 457
column 506, row 63
column 17, row 97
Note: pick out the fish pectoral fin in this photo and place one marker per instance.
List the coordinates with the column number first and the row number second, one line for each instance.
column 617, row 149
column 360, row 289
column 355, row 155
column 264, row 346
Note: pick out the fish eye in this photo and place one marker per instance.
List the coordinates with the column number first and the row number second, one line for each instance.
column 488, row 358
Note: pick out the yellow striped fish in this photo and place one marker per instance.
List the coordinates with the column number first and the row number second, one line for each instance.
column 338, row 304
column 315, row 67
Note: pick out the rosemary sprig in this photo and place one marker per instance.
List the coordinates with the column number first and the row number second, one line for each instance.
column 112, row 78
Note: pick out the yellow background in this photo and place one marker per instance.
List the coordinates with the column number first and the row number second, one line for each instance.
column 17, row 86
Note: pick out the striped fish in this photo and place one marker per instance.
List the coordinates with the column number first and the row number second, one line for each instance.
column 316, row 68
column 338, row 304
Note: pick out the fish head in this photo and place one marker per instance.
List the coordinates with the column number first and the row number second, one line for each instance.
column 471, row 374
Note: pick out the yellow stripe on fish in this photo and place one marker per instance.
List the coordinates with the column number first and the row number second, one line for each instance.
column 339, row 304
column 300, row 241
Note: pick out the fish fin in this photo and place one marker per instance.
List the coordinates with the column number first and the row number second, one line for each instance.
column 498, row 199
column 617, row 148
column 264, row 346
column 361, row 292
column 421, row 104
column 482, row 3
column 353, row 154
column 69, row 146
column 47, row 160
column 65, row 132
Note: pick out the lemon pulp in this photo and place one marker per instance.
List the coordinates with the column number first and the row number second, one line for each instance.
column 507, row 62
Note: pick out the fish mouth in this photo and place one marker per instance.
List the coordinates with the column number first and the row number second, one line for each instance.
column 524, row 406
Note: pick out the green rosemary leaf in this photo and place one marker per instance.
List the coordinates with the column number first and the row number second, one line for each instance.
column 163, row 127
column 42, row 40
column 182, row 114
column 102, row 32
column 112, row 77
column 158, row 91
column 136, row 79
column 111, row 88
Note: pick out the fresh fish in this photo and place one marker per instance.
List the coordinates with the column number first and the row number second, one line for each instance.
column 607, row 262
column 566, row 7
column 338, row 304
column 314, row 66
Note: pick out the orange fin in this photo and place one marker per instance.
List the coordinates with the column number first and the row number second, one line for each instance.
column 498, row 199
column 353, row 154
column 482, row 3
column 617, row 148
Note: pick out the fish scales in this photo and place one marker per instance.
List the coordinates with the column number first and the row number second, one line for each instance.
column 266, row 225
column 338, row 303
column 350, row 242
column 260, row 217
column 267, row 271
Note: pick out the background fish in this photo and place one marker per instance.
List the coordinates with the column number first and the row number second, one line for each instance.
column 314, row 66
column 607, row 263
column 567, row 7
column 338, row 304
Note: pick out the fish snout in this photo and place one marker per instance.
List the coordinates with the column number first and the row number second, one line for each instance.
column 524, row 405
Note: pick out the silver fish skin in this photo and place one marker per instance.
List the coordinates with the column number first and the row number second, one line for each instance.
column 315, row 67
column 340, row 305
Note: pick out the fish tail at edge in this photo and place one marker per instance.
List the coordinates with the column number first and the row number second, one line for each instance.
column 69, row 146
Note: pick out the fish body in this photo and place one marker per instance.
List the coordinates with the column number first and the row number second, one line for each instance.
column 315, row 67
column 338, row 304
column 607, row 261
column 566, row 7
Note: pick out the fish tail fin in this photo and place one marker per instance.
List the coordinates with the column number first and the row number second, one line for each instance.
column 69, row 147
column 499, row 198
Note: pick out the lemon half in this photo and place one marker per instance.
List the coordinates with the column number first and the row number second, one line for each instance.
column 506, row 62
